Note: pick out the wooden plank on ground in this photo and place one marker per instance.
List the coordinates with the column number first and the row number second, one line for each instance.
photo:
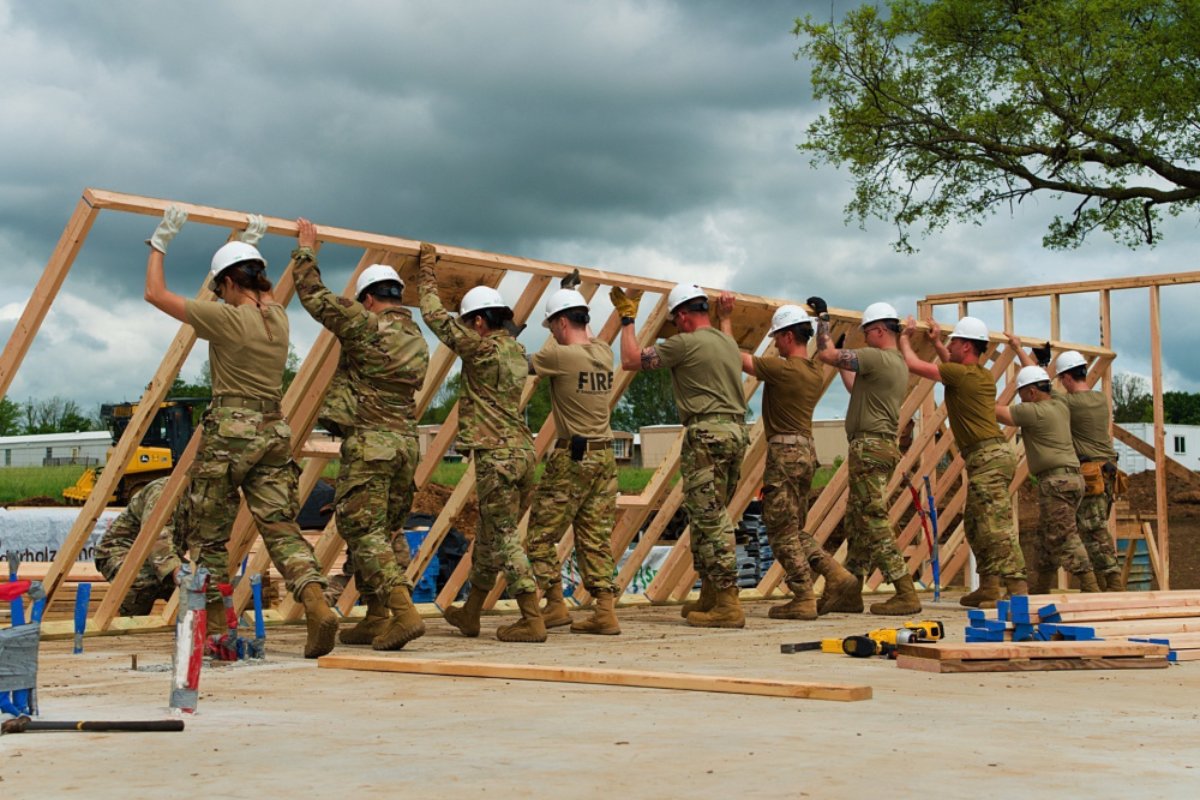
column 607, row 677
column 983, row 650
column 1030, row 664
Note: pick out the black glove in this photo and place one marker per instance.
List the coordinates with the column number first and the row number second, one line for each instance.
column 817, row 305
column 1042, row 354
column 571, row 281
column 841, row 340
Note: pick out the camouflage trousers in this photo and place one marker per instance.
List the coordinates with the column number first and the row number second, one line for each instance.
column 147, row 587
column 504, row 485
column 582, row 494
column 988, row 517
column 787, row 479
column 374, row 495
column 870, row 536
column 1091, row 520
column 710, row 467
column 1057, row 543
column 247, row 450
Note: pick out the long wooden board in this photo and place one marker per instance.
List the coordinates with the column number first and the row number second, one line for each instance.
column 988, row 650
column 1029, row 664
column 608, row 677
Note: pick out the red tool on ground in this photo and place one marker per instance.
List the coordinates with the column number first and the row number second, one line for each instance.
column 190, row 625
column 228, row 646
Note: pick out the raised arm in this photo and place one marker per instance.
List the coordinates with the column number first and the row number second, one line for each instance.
column 1022, row 355
column 157, row 294
column 1003, row 414
column 917, row 365
column 341, row 315
column 725, row 316
column 449, row 330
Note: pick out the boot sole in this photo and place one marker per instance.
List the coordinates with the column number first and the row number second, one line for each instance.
column 699, row 623
column 326, row 637
column 881, row 611
column 791, row 615
column 396, row 640
column 597, row 631
column 469, row 633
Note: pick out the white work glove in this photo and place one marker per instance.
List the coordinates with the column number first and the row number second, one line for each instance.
column 255, row 228
column 172, row 221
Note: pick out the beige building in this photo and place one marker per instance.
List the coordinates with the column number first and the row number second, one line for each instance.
column 829, row 435
column 657, row 441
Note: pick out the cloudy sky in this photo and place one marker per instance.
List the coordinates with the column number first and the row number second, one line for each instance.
column 650, row 137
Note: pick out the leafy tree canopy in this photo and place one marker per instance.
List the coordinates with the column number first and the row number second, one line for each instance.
column 949, row 110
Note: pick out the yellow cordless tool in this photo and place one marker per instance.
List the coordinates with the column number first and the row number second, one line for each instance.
column 880, row 642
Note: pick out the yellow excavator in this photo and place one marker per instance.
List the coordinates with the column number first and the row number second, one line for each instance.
column 165, row 440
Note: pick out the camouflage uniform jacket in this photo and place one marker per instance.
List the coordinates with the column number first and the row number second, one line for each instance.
column 163, row 557
column 494, row 369
column 383, row 359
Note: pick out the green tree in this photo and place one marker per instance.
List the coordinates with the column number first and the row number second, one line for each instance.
column 647, row 401
column 538, row 407
column 443, row 401
column 948, row 110
column 56, row 415
column 1132, row 400
column 1181, row 408
column 10, row 417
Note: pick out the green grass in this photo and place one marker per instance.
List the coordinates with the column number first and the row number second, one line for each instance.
column 19, row 483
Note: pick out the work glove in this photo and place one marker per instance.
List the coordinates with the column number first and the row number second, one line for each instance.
column 625, row 304
column 256, row 226
column 571, row 281
column 818, row 306
column 1042, row 354
column 172, row 221
column 429, row 255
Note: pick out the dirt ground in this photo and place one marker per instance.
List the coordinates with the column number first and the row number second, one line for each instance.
column 287, row 728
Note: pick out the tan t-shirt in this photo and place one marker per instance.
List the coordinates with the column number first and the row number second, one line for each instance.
column 1046, row 431
column 970, row 402
column 792, row 387
column 247, row 349
column 879, row 388
column 706, row 373
column 1090, row 425
column 581, row 377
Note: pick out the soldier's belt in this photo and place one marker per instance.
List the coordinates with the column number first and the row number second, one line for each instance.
column 789, row 438
column 982, row 443
column 592, row 444
column 885, row 437
column 1050, row 473
column 716, row 418
column 248, row 403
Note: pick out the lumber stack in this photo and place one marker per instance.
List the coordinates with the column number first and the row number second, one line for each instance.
column 944, row 657
column 1165, row 618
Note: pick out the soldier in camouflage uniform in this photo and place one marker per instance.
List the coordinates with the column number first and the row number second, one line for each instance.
column 1045, row 422
column 792, row 384
column 492, row 428
column 245, row 443
column 877, row 380
column 370, row 405
column 706, row 367
column 1091, row 423
column 579, row 486
column 156, row 579
column 989, row 458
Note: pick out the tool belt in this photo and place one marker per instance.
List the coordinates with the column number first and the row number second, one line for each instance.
column 248, row 403
column 1093, row 477
column 1053, row 471
column 716, row 418
column 982, row 443
column 790, row 438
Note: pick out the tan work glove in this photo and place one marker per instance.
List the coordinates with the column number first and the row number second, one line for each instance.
column 625, row 304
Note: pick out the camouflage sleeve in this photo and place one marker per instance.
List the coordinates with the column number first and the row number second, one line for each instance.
column 450, row 331
column 163, row 557
column 341, row 315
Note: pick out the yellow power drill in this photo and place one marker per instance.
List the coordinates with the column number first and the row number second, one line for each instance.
column 880, row 642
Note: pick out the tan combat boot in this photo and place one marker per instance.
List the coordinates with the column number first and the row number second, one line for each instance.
column 529, row 628
column 466, row 616
column 803, row 604
column 726, row 612
column 1114, row 583
column 603, row 621
column 988, row 592
column 1087, row 582
column 843, row 591
column 905, row 601
column 708, row 598
column 1015, row 587
column 404, row 625
column 1102, row 580
column 215, row 624
column 369, row 626
column 555, row 613
column 322, row 622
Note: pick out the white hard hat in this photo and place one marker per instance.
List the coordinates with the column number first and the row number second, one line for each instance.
column 878, row 311
column 232, row 253
column 786, row 317
column 1031, row 374
column 970, row 328
column 1068, row 360
column 561, row 300
column 682, row 293
column 479, row 298
column 376, row 273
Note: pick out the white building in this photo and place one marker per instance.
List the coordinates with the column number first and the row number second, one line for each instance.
column 47, row 449
column 1183, row 445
